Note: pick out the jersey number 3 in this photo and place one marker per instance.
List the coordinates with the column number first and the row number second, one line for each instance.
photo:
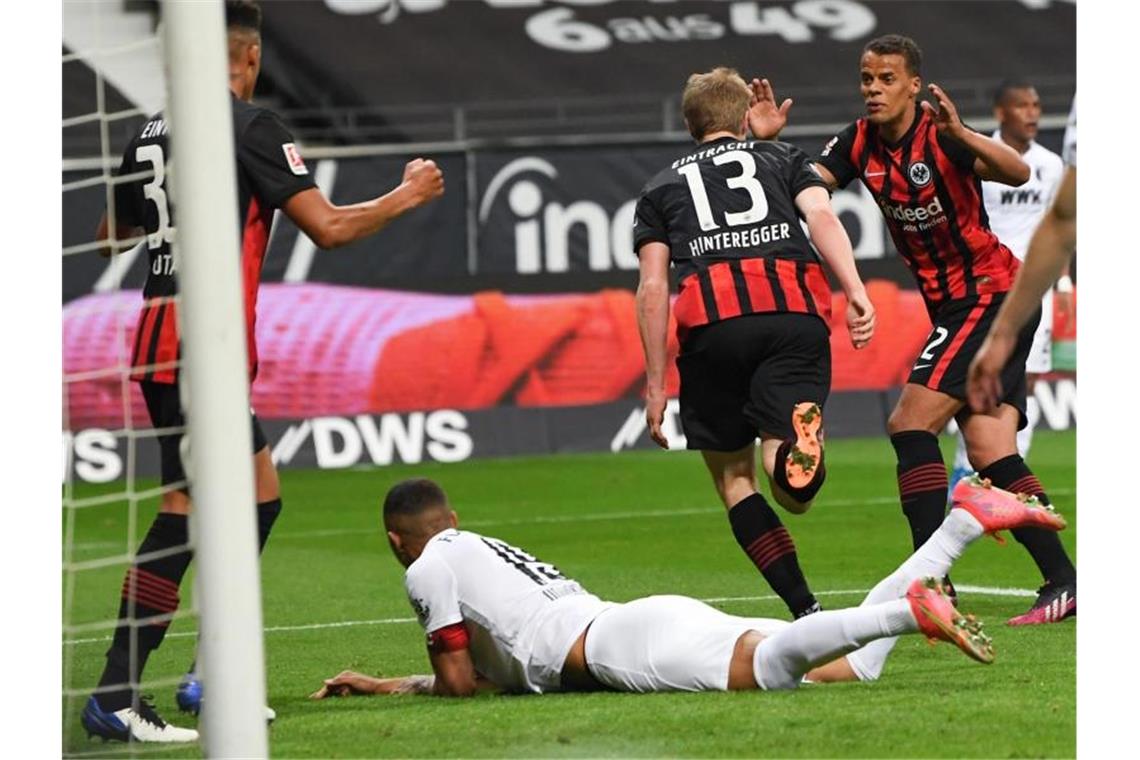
column 746, row 180
column 154, row 191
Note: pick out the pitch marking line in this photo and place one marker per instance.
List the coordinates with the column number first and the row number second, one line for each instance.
column 547, row 519
column 983, row 590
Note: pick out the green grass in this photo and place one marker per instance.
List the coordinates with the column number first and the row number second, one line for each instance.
column 626, row 526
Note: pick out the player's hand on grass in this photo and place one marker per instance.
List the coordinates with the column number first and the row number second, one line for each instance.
column 860, row 319
column 655, row 402
column 945, row 115
column 346, row 684
column 424, row 181
column 765, row 118
column 983, row 379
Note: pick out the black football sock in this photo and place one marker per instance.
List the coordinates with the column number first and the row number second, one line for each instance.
column 267, row 513
column 150, row 589
column 1012, row 474
column 767, row 543
column 922, row 482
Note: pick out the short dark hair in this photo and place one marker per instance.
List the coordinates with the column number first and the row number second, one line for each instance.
column 1012, row 83
column 897, row 44
column 409, row 498
column 244, row 14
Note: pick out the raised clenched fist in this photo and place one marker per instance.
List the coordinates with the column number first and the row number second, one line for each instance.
column 424, row 180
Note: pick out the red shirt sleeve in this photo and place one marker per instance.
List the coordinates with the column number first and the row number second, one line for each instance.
column 450, row 638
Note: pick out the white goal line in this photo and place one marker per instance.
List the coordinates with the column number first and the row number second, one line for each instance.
column 981, row 590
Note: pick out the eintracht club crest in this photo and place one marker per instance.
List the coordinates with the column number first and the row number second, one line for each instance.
column 919, row 174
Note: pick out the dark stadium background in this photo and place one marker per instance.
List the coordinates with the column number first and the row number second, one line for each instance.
column 499, row 320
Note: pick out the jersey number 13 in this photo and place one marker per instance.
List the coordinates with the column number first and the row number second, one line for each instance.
column 746, row 180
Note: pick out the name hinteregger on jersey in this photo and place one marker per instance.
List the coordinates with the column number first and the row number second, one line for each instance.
column 750, row 238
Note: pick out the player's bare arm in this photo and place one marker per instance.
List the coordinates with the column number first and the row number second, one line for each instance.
column 331, row 226
column 995, row 160
column 349, row 683
column 765, row 118
column 653, row 323
column 826, row 175
column 831, row 239
column 1048, row 257
column 455, row 676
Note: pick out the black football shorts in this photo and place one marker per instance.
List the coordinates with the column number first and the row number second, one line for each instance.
column 742, row 377
column 960, row 327
column 165, row 408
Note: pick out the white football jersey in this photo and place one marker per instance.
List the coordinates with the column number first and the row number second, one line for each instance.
column 1015, row 212
column 521, row 614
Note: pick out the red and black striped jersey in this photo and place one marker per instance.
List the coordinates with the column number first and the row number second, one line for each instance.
column 931, row 198
column 269, row 172
column 727, row 212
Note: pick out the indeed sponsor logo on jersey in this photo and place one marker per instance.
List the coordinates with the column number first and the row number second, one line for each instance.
column 750, row 238
column 927, row 216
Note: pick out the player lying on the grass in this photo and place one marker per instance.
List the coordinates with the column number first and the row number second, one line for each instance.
column 497, row 617
column 752, row 312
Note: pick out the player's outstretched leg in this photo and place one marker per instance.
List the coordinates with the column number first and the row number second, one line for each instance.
column 798, row 471
column 781, row 660
column 979, row 508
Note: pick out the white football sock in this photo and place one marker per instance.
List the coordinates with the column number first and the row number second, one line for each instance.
column 933, row 559
column 781, row 660
column 1025, row 436
column 961, row 457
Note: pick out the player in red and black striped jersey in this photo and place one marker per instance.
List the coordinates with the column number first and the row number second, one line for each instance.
column 924, row 168
column 271, row 175
column 752, row 313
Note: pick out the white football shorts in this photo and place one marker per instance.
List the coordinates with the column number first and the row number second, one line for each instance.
column 667, row 643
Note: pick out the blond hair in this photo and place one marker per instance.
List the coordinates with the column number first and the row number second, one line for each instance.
column 715, row 102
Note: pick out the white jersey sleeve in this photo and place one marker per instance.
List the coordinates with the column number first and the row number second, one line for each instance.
column 432, row 590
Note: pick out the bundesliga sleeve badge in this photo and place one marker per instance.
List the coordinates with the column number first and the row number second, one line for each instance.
column 293, row 158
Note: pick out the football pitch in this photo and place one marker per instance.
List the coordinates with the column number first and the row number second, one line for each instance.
column 625, row 525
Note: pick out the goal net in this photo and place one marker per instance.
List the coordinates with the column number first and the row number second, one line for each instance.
column 118, row 64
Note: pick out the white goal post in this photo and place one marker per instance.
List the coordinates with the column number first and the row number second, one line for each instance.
column 214, row 381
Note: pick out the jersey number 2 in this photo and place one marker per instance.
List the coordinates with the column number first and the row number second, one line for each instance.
column 154, row 191
column 746, row 180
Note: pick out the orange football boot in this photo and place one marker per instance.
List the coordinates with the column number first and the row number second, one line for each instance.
column 807, row 451
column 939, row 620
column 999, row 510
